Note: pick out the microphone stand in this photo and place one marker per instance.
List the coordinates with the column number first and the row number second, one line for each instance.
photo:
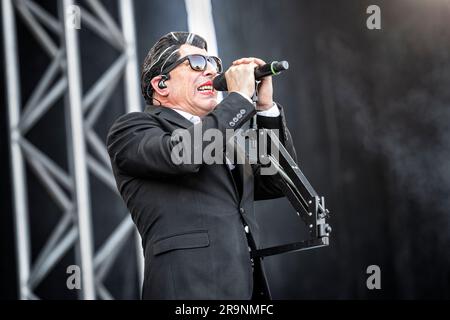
column 309, row 205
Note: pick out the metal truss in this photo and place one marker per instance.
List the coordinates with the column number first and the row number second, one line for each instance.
column 69, row 190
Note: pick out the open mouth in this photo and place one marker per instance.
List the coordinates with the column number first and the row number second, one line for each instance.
column 206, row 88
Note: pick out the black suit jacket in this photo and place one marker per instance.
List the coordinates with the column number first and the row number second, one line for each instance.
column 191, row 216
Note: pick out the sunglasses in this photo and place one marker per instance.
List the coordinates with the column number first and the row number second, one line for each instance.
column 197, row 62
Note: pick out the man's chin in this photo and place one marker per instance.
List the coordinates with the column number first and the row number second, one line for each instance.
column 211, row 105
column 206, row 107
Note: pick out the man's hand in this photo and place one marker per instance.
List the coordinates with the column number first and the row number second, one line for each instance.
column 241, row 78
column 265, row 88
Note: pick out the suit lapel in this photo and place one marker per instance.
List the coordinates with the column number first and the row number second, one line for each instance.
column 231, row 177
column 245, row 170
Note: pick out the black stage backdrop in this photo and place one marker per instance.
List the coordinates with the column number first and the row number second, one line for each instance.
column 369, row 111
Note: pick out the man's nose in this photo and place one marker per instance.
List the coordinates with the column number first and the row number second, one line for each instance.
column 210, row 70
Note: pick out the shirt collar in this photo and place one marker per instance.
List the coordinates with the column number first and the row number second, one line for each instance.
column 188, row 116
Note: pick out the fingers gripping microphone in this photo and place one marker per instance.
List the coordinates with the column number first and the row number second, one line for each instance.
column 269, row 69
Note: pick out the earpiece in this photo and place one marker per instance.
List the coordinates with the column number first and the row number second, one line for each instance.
column 161, row 83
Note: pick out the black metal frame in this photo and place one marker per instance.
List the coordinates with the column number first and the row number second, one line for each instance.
column 305, row 200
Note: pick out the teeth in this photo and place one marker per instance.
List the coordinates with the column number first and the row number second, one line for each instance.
column 205, row 88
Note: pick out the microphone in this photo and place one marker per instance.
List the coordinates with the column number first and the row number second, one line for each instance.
column 270, row 69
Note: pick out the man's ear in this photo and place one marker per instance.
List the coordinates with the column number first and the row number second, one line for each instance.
column 159, row 85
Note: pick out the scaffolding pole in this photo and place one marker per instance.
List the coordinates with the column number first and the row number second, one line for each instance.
column 17, row 163
column 69, row 190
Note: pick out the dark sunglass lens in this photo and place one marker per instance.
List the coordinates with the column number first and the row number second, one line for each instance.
column 213, row 62
column 198, row 63
column 218, row 64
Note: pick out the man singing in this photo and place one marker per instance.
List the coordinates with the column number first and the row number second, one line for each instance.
column 196, row 220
